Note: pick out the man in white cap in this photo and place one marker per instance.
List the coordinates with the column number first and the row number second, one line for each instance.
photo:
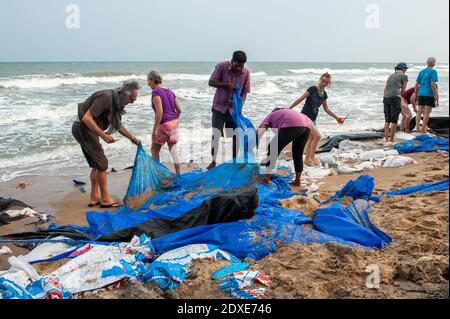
column 428, row 94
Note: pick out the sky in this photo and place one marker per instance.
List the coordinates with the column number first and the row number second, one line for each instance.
column 210, row 30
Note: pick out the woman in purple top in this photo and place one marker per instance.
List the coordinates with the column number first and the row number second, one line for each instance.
column 288, row 126
column 167, row 112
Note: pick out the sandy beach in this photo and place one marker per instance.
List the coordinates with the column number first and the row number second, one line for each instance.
column 414, row 265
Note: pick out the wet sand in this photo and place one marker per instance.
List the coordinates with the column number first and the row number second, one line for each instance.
column 415, row 265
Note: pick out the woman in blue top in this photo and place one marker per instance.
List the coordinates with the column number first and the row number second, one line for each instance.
column 428, row 94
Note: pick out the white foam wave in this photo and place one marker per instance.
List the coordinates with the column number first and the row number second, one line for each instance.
column 340, row 71
column 257, row 74
column 48, row 83
column 185, row 77
column 267, row 88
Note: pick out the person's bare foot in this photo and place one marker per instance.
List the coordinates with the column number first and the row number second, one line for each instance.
column 211, row 166
column 296, row 184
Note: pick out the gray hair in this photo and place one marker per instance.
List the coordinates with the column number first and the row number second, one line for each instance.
column 130, row 85
column 155, row 77
column 431, row 61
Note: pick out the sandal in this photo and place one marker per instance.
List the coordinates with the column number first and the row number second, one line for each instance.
column 94, row 204
column 113, row 205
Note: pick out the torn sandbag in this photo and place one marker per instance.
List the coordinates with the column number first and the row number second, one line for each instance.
column 227, row 206
column 5, row 250
column 422, row 188
column 235, row 284
column 333, row 142
column 98, row 268
column 350, row 223
column 422, row 143
column 11, row 215
column 8, row 203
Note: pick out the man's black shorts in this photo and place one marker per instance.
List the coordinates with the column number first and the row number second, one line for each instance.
column 219, row 120
column 427, row 101
column 392, row 109
column 91, row 147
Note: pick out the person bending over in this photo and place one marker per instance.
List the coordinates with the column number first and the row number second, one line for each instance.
column 100, row 116
column 288, row 126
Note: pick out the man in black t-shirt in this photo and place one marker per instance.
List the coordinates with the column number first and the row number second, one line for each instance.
column 316, row 96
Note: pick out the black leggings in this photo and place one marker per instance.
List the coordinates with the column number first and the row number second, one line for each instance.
column 298, row 136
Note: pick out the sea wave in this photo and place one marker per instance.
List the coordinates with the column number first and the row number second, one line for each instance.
column 340, row 71
column 48, row 83
column 267, row 88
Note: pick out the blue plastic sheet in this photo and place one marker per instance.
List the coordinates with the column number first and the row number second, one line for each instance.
column 362, row 188
column 422, row 143
column 351, row 223
column 246, row 131
column 422, row 188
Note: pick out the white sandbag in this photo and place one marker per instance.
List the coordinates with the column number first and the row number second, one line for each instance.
column 404, row 136
column 348, row 170
column 391, row 153
column 26, row 212
column 5, row 251
column 373, row 155
column 398, row 161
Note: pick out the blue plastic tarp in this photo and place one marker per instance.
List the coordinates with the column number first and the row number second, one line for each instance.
column 351, row 223
column 362, row 188
column 422, row 143
column 422, row 188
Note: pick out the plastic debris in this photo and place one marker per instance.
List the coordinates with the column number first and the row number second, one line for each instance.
column 26, row 212
column 171, row 268
column 78, row 182
column 5, row 251
column 235, row 283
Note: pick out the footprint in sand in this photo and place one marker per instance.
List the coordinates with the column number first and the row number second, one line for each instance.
column 410, row 175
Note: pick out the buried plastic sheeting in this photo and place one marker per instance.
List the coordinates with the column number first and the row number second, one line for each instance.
column 423, row 188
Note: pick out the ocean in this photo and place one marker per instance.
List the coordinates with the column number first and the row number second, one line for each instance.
column 38, row 103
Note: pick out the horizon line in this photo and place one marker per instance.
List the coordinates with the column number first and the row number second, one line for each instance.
column 249, row 62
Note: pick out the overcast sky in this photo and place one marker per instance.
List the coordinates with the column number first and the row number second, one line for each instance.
column 209, row 30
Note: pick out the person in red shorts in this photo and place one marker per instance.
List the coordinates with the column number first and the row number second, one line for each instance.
column 408, row 97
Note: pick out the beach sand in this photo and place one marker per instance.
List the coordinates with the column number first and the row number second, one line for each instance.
column 415, row 265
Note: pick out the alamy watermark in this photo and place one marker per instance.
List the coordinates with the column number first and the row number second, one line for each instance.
column 373, row 20
column 73, row 20
column 373, row 279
